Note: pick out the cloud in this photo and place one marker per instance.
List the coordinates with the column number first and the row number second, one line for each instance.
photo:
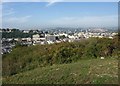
column 0, row 10
column 0, row 15
column 16, row 19
column 16, row 22
column 18, row 0
column 89, row 21
column 26, row 0
column 63, row 0
column 8, row 12
column 51, row 2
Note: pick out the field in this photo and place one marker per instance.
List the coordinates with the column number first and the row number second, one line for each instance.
column 94, row 71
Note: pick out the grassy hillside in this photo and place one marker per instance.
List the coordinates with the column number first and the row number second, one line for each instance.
column 24, row 58
column 63, row 63
column 94, row 71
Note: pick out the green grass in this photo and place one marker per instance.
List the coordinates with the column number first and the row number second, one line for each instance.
column 95, row 71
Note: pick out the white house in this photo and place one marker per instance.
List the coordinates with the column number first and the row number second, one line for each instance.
column 36, row 38
column 25, row 31
column 50, row 37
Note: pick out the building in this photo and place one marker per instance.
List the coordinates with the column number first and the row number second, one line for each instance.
column 25, row 31
column 36, row 38
column 50, row 38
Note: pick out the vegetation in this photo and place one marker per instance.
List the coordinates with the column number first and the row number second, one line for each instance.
column 63, row 63
column 24, row 58
column 16, row 33
column 94, row 71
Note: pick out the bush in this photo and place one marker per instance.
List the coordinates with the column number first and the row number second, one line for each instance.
column 24, row 58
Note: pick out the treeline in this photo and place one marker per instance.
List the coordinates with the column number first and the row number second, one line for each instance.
column 24, row 58
column 16, row 34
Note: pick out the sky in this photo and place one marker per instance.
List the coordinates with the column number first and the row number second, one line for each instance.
column 60, row 1
column 32, row 15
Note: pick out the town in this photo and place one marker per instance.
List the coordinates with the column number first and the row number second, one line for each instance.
column 42, row 37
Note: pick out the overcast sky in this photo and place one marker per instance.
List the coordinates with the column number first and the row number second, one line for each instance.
column 25, row 15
